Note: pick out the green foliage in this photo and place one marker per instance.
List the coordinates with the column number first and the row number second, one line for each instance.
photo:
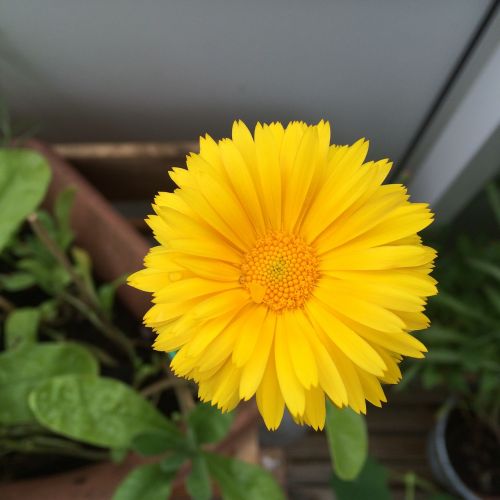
column 83, row 267
column 464, row 339
column 96, row 410
column 173, row 462
column 33, row 262
column 205, row 424
column 26, row 368
column 15, row 282
column 52, row 400
column 198, row 482
column 21, row 327
column 242, row 481
column 62, row 215
column 158, row 441
column 209, row 425
column 106, row 295
column 24, row 177
column 148, row 482
column 371, row 482
column 348, row 441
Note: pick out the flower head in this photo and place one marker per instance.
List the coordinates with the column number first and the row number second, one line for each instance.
column 285, row 269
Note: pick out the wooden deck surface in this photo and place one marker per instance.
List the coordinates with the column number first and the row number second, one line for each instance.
column 397, row 439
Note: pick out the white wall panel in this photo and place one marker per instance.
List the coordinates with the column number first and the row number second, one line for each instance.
column 155, row 70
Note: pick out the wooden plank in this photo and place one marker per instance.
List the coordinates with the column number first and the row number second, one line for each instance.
column 311, row 493
column 398, row 437
column 128, row 171
column 382, row 446
column 401, row 419
column 319, row 473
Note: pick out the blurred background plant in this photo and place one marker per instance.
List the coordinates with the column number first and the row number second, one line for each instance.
column 464, row 349
column 464, row 338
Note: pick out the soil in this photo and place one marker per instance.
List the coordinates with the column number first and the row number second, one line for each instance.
column 474, row 452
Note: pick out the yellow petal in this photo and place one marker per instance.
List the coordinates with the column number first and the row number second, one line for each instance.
column 253, row 369
column 191, row 288
column 301, row 353
column 386, row 257
column 292, row 390
column 337, row 297
column 269, row 397
column 351, row 344
column 253, row 318
column 315, row 412
column 328, row 374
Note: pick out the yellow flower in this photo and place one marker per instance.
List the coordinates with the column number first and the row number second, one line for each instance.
column 286, row 270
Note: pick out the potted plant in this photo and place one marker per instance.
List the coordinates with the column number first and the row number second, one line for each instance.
column 75, row 386
column 464, row 357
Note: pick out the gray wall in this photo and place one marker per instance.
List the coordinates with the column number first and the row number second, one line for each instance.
column 161, row 70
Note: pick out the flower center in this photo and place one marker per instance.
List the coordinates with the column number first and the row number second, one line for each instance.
column 280, row 271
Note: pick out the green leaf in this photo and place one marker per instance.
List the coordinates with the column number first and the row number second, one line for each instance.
column 431, row 378
column 208, row 423
column 83, row 265
column 443, row 356
column 158, row 441
column 62, row 214
column 493, row 295
column 459, row 307
column 372, row 483
column 242, row 481
column 347, row 439
column 49, row 310
column 96, row 410
column 147, row 482
column 118, row 455
column 21, row 327
column 52, row 279
column 173, row 462
column 440, row 334
column 23, row 369
column 198, row 482
column 485, row 267
column 16, row 282
column 24, row 178
column 106, row 295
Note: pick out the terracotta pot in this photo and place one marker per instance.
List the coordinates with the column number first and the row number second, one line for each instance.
column 98, row 482
column 116, row 248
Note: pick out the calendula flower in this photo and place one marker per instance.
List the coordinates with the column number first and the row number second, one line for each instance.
column 285, row 269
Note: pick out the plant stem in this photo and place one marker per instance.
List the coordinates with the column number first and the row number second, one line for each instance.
column 410, row 483
column 161, row 385
column 88, row 305
column 182, row 392
column 103, row 326
column 59, row 255
column 50, row 445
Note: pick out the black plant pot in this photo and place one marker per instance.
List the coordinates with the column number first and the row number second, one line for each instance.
column 439, row 458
